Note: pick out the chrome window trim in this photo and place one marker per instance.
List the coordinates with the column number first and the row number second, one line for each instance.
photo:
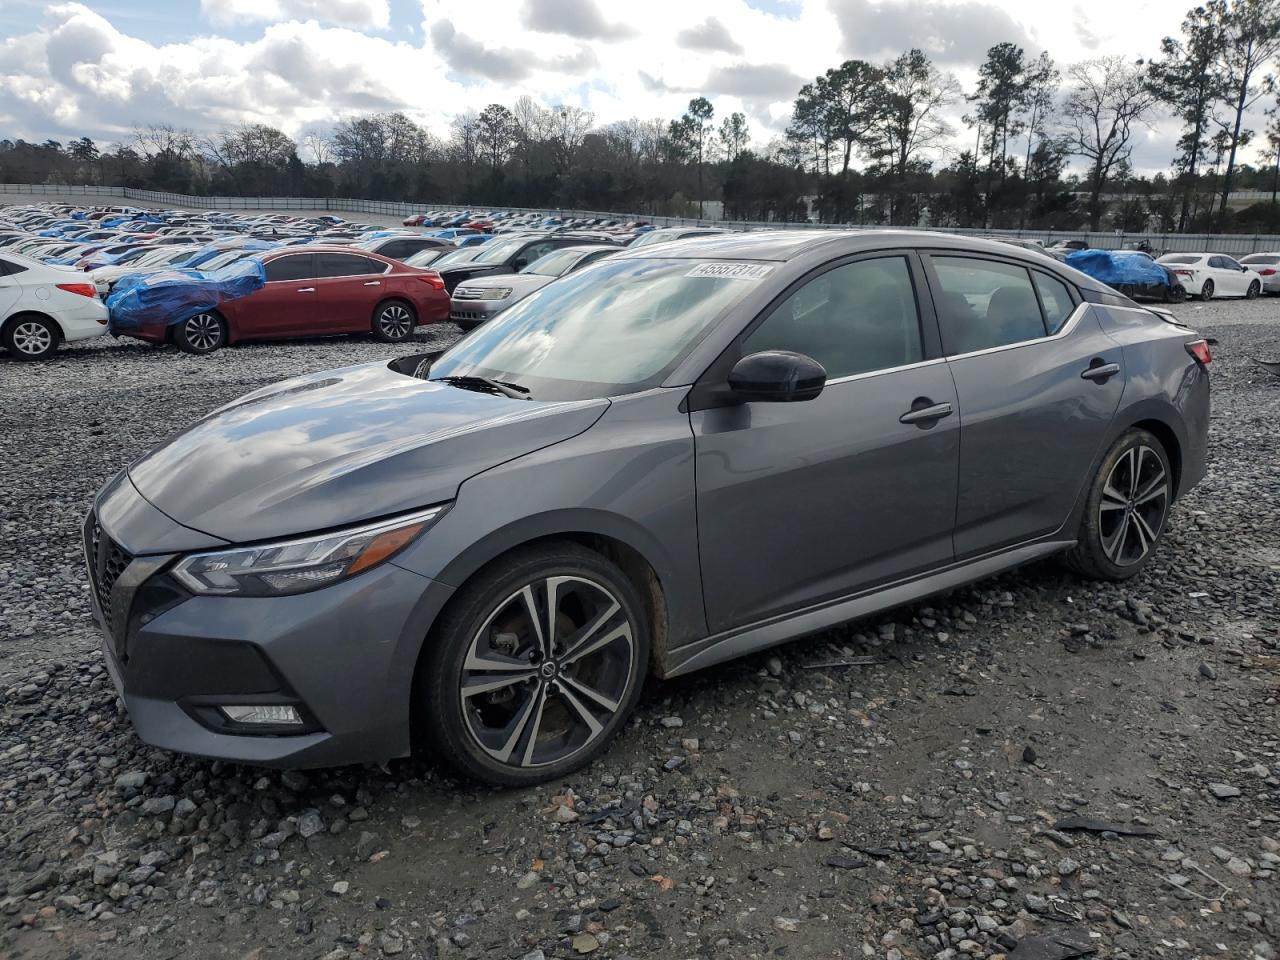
column 867, row 375
column 1067, row 328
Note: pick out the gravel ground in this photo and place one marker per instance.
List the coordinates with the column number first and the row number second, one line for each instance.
column 1034, row 768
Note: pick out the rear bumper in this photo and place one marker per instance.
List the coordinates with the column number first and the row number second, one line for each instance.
column 80, row 317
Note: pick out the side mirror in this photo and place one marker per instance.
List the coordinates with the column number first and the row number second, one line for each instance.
column 777, row 376
column 520, row 264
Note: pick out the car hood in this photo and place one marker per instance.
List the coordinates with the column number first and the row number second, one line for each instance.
column 521, row 284
column 340, row 447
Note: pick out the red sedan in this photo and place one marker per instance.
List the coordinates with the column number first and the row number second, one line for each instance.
column 315, row 291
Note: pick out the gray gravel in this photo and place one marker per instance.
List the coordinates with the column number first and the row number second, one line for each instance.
column 1032, row 768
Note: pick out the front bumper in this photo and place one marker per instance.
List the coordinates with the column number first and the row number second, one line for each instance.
column 343, row 655
column 474, row 312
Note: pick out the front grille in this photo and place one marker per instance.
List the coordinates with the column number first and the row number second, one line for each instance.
column 466, row 293
column 106, row 562
column 465, row 315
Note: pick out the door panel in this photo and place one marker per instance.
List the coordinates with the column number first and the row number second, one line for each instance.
column 803, row 502
column 1031, row 427
column 348, row 287
column 281, row 306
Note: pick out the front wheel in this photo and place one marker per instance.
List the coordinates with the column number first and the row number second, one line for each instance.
column 393, row 322
column 1206, row 292
column 1125, row 514
column 31, row 338
column 1255, row 288
column 535, row 667
column 203, row 333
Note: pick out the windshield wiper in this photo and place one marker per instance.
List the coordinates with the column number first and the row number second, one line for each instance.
column 513, row 390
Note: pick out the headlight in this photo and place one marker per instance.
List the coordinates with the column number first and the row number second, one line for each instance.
column 489, row 293
column 295, row 566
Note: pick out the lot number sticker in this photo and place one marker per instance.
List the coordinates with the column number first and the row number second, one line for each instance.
column 731, row 271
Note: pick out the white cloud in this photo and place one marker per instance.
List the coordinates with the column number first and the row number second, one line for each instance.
column 360, row 14
column 311, row 63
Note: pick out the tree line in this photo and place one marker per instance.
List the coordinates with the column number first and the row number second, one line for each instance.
column 867, row 143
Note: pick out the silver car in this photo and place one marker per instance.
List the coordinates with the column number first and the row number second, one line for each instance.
column 675, row 456
column 481, row 299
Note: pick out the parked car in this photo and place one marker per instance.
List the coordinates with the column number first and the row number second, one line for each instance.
column 1060, row 249
column 667, row 234
column 1267, row 267
column 502, row 255
column 400, row 246
column 141, row 260
column 650, row 464
column 1130, row 272
column 478, row 300
column 43, row 306
column 1209, row 275
column 306, row 292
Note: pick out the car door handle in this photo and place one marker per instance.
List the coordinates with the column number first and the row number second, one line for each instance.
column 1100, row 371
column 373, row 283
column 925, row 412
column 306, row 289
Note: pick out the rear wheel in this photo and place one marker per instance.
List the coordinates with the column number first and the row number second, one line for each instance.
column 1255, row 288
column 31, row 337
column 1206, row 292
column 394, row 322
column 1125, row 514
column 535, row 667
column 203, row 333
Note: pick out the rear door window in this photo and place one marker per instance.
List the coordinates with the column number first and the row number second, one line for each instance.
column 1055, row 299
column 985, row 303
column 346, row 265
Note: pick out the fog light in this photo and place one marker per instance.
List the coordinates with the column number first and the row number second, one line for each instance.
column 262, row 713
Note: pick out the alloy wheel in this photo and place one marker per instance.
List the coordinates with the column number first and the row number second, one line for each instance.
column 1132, row 510
column 1254, row 289
column 203, row 331
column 547, row 671
column 32, row 338
column 395, row 321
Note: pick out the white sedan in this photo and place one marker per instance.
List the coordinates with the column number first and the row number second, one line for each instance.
column 42, row 306
column 1209, row 275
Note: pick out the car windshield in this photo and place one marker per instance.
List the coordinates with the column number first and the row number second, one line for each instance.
column 496, row 252
column 465, row 255
column 428, row 256
column 222, row 259
column 615, row 327
column 1179, row 258
column 554, row 263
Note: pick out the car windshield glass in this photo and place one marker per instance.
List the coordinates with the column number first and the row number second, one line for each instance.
column 612, row 328
column 496, row 252
column 554, row 263
column 465, row 255
column 428, row 256
column 222, row 259
column 1178, row 258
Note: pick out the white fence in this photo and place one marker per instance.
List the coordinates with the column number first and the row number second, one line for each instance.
column 1230, row 243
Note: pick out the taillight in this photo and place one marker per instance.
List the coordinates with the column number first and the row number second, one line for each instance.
column 84, row 289
column 1200, row 350
column 1268, row 272
column 432, row 279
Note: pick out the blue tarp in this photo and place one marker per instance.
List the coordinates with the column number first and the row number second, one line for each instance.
column 173, row 296
column 1119, row 267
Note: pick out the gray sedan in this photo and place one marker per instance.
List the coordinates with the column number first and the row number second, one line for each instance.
column 478, row 300
column 675, row 456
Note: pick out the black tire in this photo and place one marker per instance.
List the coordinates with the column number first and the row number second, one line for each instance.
column 1255, row 288
column 525, row 724
column 30, row 336
column 1175, row 294
column 1206, row 291
column 200, row 334
column 394, row 321
column 1126, row 510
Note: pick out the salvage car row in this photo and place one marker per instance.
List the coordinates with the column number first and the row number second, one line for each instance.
column 202, row 281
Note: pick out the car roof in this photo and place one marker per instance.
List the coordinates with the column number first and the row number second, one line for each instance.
column 784, row 245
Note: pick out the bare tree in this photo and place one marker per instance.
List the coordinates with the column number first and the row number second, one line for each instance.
column 1107, row 102
column 164, row 140
column 1251, row 41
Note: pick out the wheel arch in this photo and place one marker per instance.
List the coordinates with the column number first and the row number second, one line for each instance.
column 1168, row 438
column 18, row 315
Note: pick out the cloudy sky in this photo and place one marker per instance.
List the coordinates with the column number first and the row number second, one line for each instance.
column 101, row 66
